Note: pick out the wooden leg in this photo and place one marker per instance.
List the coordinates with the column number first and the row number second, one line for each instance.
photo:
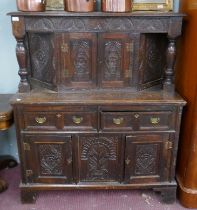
column 3, row 185
column 168, row 194
column 28, row 196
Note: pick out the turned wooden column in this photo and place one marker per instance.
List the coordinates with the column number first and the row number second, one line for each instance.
column 186, row 84
column 18, row 27
column 173, row 34
column 169, row 72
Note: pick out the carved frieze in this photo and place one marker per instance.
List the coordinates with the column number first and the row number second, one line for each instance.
column 82, row 24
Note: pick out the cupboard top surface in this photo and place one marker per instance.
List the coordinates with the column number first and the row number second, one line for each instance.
column 96, row 97
column 97, row 14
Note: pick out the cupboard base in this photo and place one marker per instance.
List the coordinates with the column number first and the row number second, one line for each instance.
column 167, row 190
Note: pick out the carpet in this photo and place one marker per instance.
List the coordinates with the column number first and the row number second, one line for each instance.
column 81, row 200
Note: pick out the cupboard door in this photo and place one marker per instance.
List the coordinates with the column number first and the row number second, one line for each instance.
column 41, row 47
column 147, row 158
column 77, row 54
column 100, row 158
column 151, row 60
column 115, row 59
column 49, row 158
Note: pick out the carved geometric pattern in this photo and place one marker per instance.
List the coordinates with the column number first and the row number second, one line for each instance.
column 112, row 60
column 72, row 24
column 81, row 59
column 98, row 152
column 146, row 157
column 41, row 60
column 51, row 159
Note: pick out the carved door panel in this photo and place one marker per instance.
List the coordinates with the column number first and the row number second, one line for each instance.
column 49, row 158
column 151, row 59
column 100, row 158
column 77, row 54
column 42, row 59
column 147, row 158
column 115, row 59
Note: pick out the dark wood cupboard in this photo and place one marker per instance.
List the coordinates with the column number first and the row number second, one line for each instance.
column 96, row 107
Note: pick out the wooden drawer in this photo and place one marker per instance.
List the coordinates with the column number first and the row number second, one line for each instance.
column 155, row 120
column 80, row 120
column 142, row 121
column 116, row 121
column 40, row 120
column 60, row 120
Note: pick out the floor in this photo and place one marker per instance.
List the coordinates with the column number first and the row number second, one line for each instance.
column 81, row 200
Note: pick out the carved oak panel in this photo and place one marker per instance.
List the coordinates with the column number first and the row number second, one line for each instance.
column 146, row 158
column 77, row 63
column 49, row 158
column 100, row 158
column 42, row 59
column 115, row 59
column 152, row 59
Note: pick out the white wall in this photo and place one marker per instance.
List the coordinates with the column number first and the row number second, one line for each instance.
column 8, row 64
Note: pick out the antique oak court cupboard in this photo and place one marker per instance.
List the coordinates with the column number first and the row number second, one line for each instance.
column 96, row 107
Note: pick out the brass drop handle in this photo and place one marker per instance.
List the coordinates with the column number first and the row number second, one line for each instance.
column 118, row 121
column 77, row 120
column 154, row 120
column 40, row 120
column 127, row 161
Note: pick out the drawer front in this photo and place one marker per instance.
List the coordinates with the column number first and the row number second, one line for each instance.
column 155, row 120
column 40, row 120
column 116, row 121
column 80, row 120
column 137, row 121
column 60, row 120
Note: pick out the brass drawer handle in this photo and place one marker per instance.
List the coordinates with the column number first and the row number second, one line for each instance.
column 118, row 121
column 154, row 120
column 40, row 120
column 77, row 120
